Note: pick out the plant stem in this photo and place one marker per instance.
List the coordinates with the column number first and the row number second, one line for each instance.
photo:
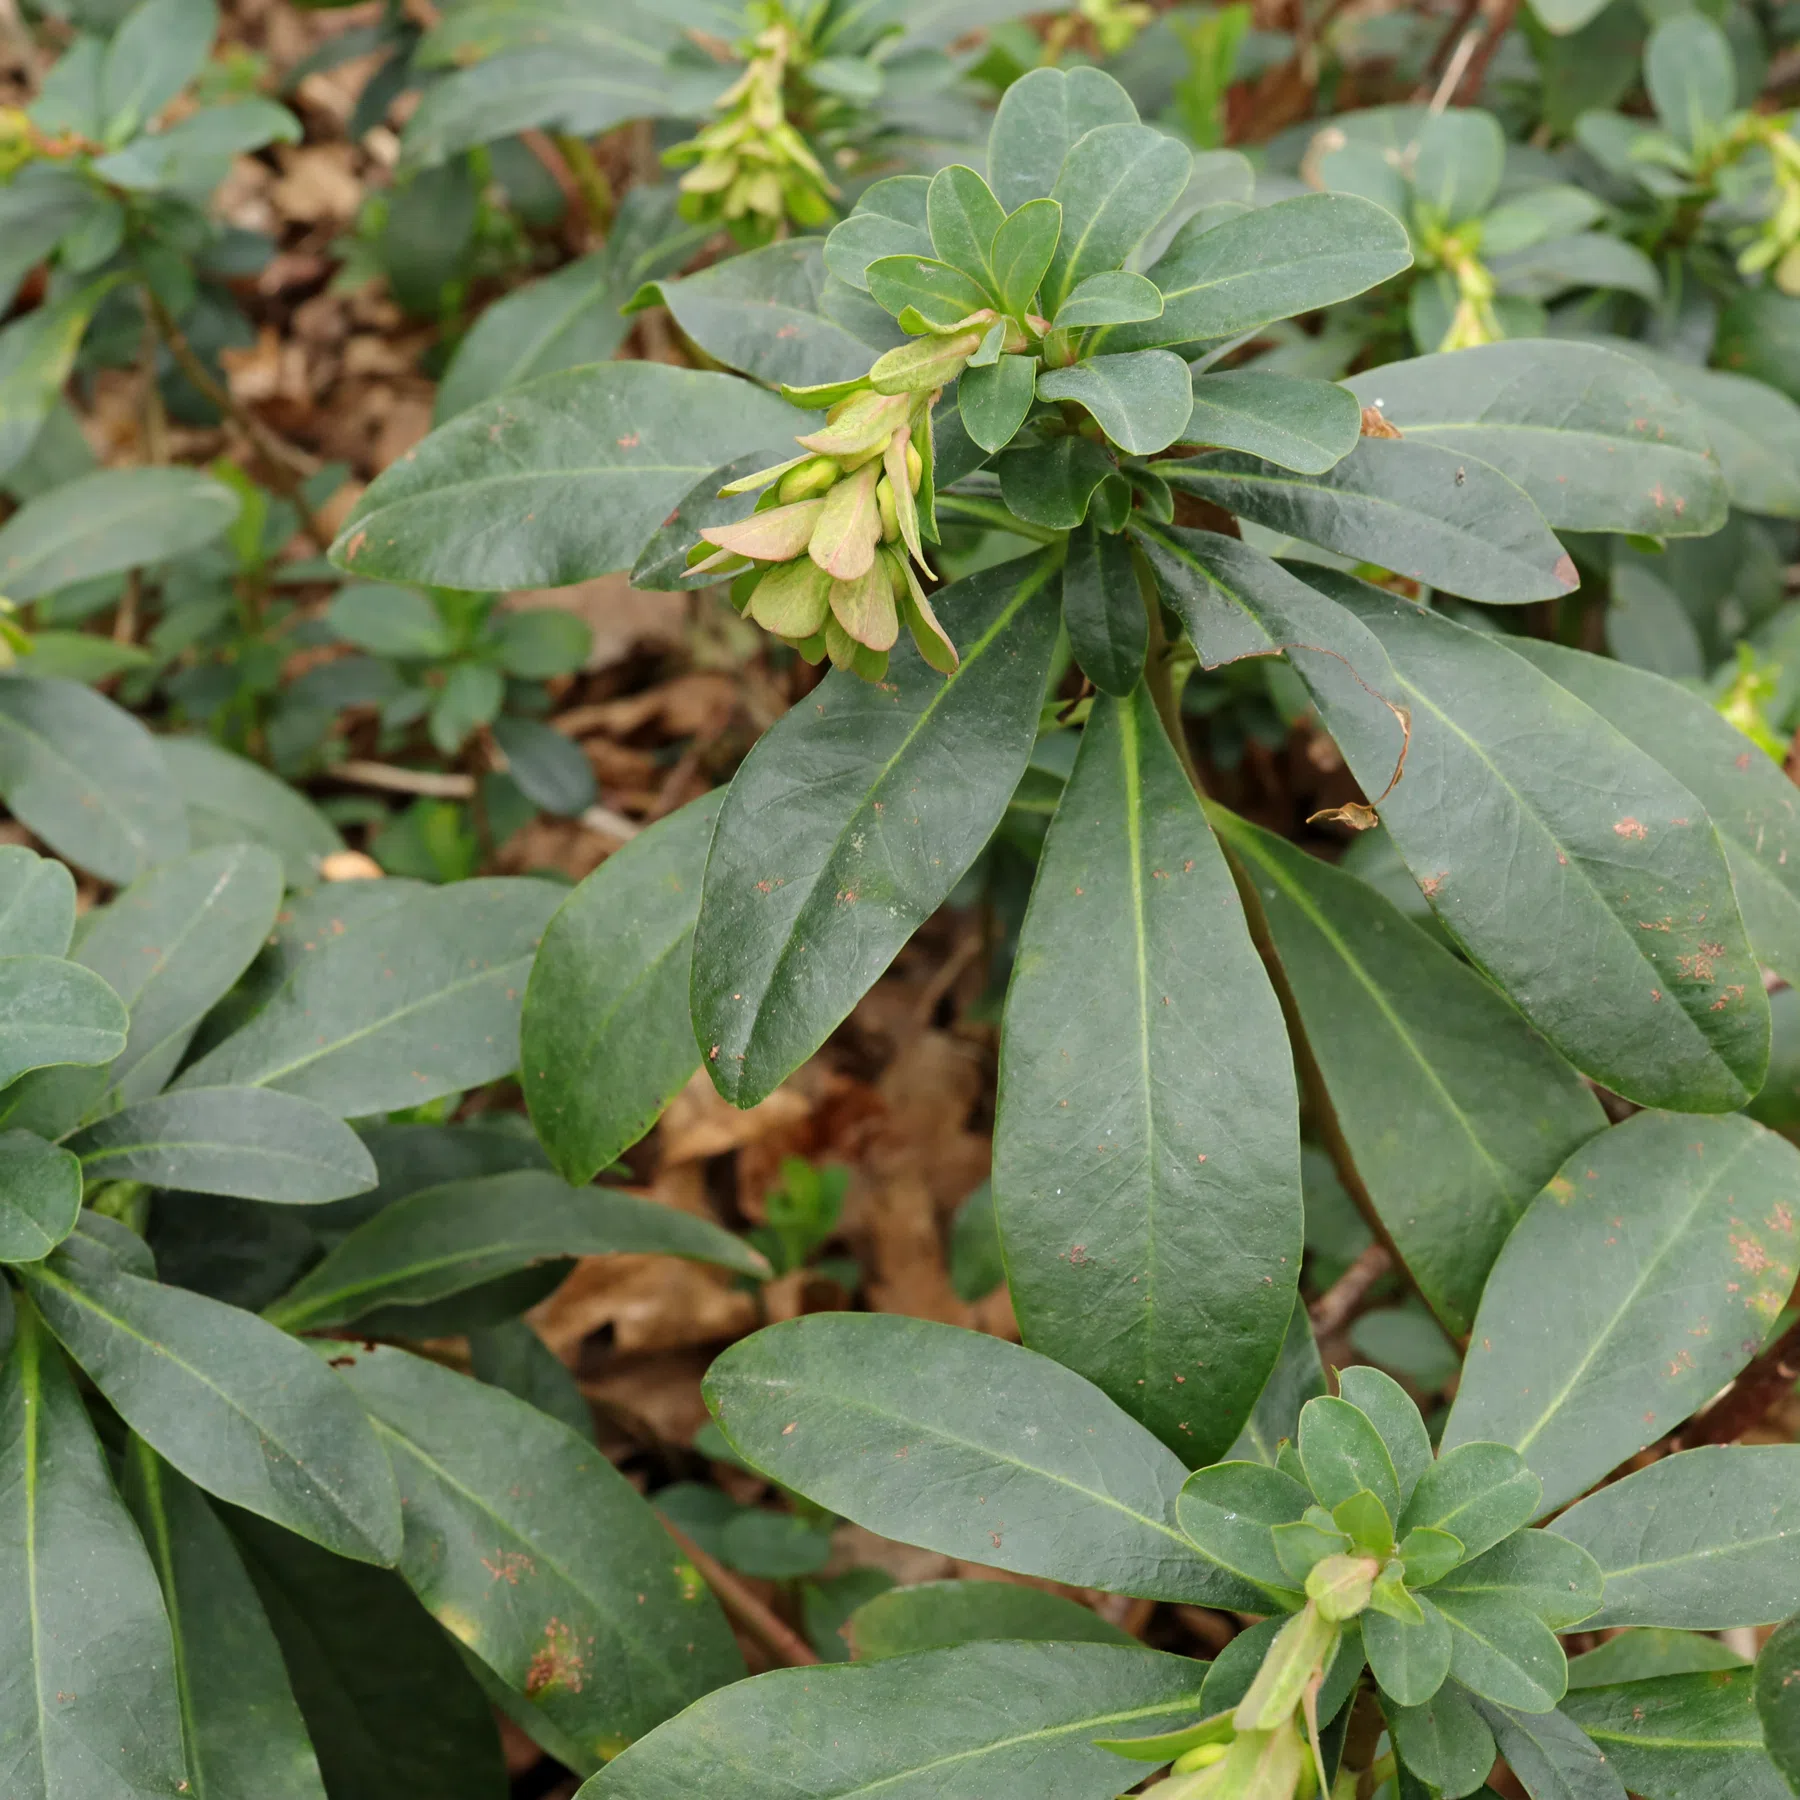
column 1337, row 1305
column 1159, row 676
column 774, row 1634
column 993, row 512
column 590, row 179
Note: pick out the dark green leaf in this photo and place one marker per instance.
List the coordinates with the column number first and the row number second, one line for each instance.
column 564, row 1584
column 1444, row 1742
column 936, row 1615
column 1627, row 851
column 1295, row 1379
column 40, row 1197
column 86, row 777
column 1409, row 1659
column 963, row 218
column 1683, row 1232
column 1222, row 280
column 1115, row 183
column 1454, row 1111
column 37, row 904
column 1127, row 1148
column 234, row 1404
column 418, row 1000
column 1103, row 611
column 56, row 1012
column 241, row 1728
column 1142, row 401
column 549, row 768
column 994, row 400
column 1703, row 1540
column 1502, row 1652
column 1551, row 1755
column 42, row 202
column 966, row 1445
column 1295, row 424
column 1342, row 1454
column 1229, row 1511
column 157, row 50
column 1040, row 118
column 1416, row 508
column 88, row 1705
column 605, row 1040
column 1479, row 1493
column 385, row 1698
column 1109, row 297
column 1544, row 1573
column 1777, row 1697
column 1051, row 485
column 254, row 1143
column 231, row 800
column 850, row 822
column 1638, row 1655
column 512, row 1356
column 558, row 480
column 940, row 295
column 1022, row 250
column 1681, row 1735
column 444, row 1240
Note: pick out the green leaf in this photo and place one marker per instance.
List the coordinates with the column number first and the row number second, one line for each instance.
column 1681, row 1735
column 235, row 1405
column 1502, row 1652
column 539, row 643
column 172, row 945
column 1627, row 851
column 889, row 219
column 89, row 1705
column 38, row 206
column 564, row 1584
column 1599, row 441
column 1479, row 1493
column 1551, row 1755
column 937, row 1615
column 1703, row 1540
column 1458, row 158
column 994, row 400
column 37, row 904
column 1554, row 211
column 1747, row 795
column 1103, row 610
column 240, row 1725
column 1142, row 401
column 56, row 1012
column 1229, row 1511
column 852, row 819
column 159, row 47
column 36, row 355
column 1649, row 1651
column 1409, row 1659
column 388, row 621
column 804, row 1734
column 605, row 1040
column 385, row 1698
column 1453, row 1110
column 418, row 1000
column 1542, row 1572
column 963, row 218
column 777, row 315
column 1041, row 116
column 253, row 1143
column 195, row 153
column 1115, row 183
column 1051, row 485
column 512, row 1356
column 443, row 1240
column 1110, row 297
column 1415, row 508
column 40, row 1197
column 1778, row 1703
column 940, row 295
column 1445, row 1742
column 85, row 776
column 1222, row 280
column 1296, row 424
column 966, row 1445
column 549, row 769
column 1692, row 78
column 1685, row 1239
column 1295, row 1379
column 1342, row 1454
column 231, row 800
column 556, row 481
column 1022, row 249
column 1127, row 1150
column 116, row 519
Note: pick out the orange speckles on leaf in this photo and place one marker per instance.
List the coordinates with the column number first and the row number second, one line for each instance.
column 353, row 549
column 1682, row 1361
column 1782, row 1218
column 1433, row 885
column 557, row 1663
column 508, row 1566
column 1566, row 573
column 1749, row 1255
column 1629, row 827
column 1701, row 965
column 630, row 441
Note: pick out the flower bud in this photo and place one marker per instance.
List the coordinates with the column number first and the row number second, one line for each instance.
column 889, row 508
column 915, row 466
column 810, row 480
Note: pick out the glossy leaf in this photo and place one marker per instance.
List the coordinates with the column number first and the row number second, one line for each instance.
column 1041, row 116
column 253, row 1143
column 1416, row 508
column 443, row 1240
column 1141, row 401
column 236, row 1406
column 1303, row 425
column 40, row 1197
column 1680, row 1735
column 963, row 1444
column 1103, row 610
column 85, row 776
column 420, row 999
column 87, row 1672
column 534, row 1552
column 1627, row 852
column 1551, row 1755
column 1598, row 440
column 1685, row 1237
column 604, row 1039
column 56, row 1012
column 1147, row 1185
column 37, row 904
column 936, row 1615
column 1222, row 280
column 1703, row 1540
column 1453, row 1110
column 1008, row 1722
column 240, row 1725
column 850, row 822
column 558, row 480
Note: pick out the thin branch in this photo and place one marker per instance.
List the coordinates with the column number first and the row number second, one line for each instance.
column 1339, row 1303
column 774, row 1634
column 429, row 782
